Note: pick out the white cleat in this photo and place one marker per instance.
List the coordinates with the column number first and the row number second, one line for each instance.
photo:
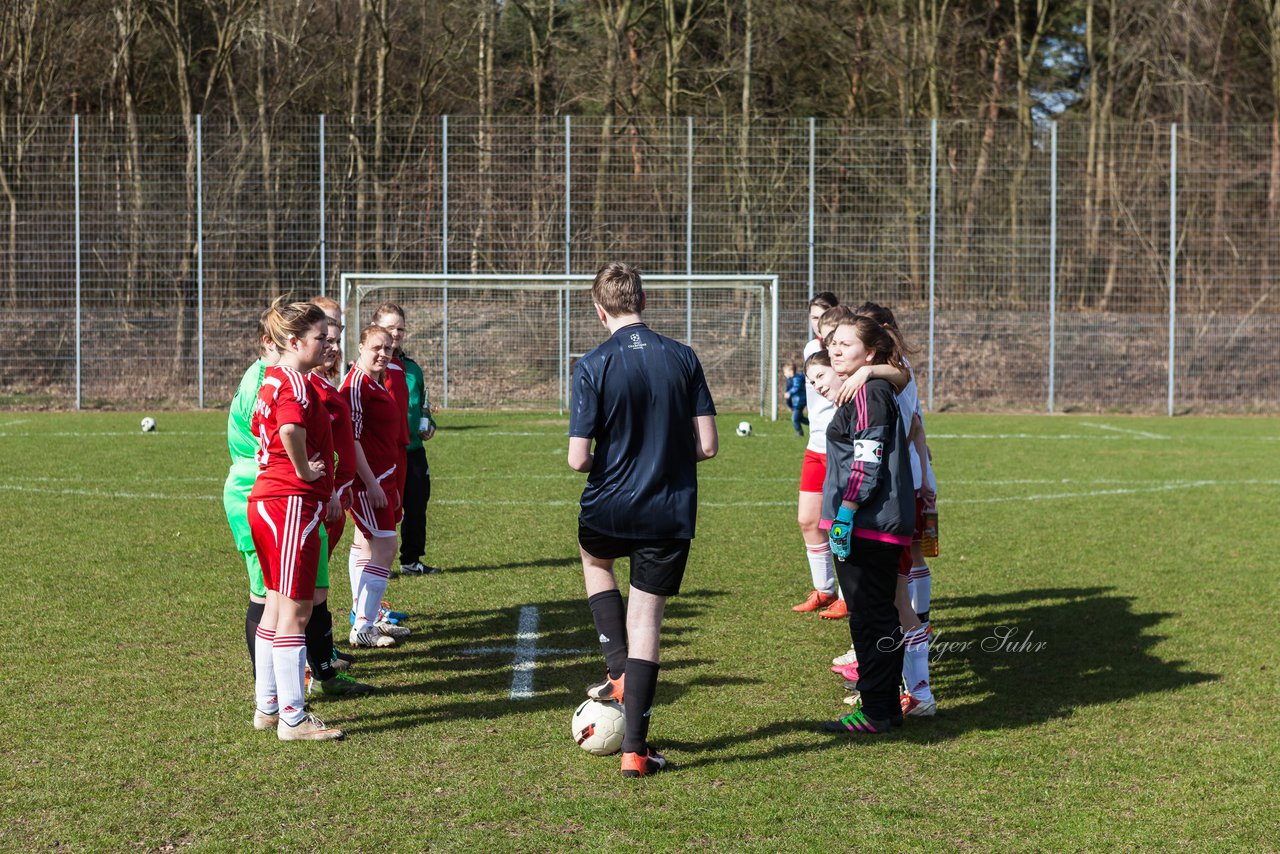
column 265, row 720
column 848, row 658
column 369, row 638
column 310, row 728
column 392, row 631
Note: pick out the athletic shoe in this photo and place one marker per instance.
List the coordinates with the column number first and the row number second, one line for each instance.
column 343, row 685
column 369, row 638
column 310, row 728
column 857, row 723
column 848, row 671
column 609, row 689
column 642, row 765
column 850, row 686
column 838, row 611
column 913, row 708
column 850, row 657
column 341, row 662
column 419, row 568
column 385, row 612
column 265, row 720
column 391, row 630
column 817, row 599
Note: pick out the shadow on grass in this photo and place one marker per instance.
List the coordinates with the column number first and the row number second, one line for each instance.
column 573, row 561
column 471, row 654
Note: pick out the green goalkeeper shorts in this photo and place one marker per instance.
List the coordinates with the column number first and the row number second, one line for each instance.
column 235, row 501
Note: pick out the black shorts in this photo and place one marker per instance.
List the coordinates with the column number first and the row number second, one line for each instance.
column 657, row 566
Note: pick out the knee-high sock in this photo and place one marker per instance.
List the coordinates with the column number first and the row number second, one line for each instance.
column 642, row 684
column 915, row 663
column 253, row 616
column 288, row 656
column 920, row 583
column 372, row 586
column 820, row 571
column 320, row 642
column 264, row 674
column 610, row 617
column 355, row 566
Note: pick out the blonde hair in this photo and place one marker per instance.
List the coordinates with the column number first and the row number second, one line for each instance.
column 285, row 320
column 329, row 306
column 617, row 289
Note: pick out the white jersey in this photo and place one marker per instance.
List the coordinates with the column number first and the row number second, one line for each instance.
column 821, row 410
column 909, row 406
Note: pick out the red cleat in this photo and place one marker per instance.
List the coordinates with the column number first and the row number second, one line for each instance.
column 838, row 611
column 817, row 599
column 642, row 765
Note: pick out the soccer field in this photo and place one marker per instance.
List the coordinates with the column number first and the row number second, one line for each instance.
column 1104, row 608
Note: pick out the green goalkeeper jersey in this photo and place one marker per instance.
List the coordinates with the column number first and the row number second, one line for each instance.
column 241, row 442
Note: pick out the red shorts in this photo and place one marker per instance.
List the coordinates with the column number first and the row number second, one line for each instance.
column 286, row 536
column 335, row 529
column 813, row 471
column 904, row 562
column 374, row 521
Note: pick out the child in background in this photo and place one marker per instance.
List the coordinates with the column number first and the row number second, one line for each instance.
column 795, row 397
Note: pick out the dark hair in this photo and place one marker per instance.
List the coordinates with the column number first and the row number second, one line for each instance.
column 826, row 299
column 877, row 312
column 833, row 317
column 882, row 341
column 818, row 357
column 388, row 308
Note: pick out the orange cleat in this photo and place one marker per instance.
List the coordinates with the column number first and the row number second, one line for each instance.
column 817, row 599
column 609, row 689
column 838, row 611
column 642, row 765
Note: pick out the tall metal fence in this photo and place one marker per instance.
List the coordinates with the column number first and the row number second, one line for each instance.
column 1076, row 266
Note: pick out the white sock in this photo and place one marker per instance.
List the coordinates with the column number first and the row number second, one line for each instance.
column 373, row 584
column 264, row 674
column 820, row 570
column 355, row 566
column 920, row 583
column 915, row 663
column 289, row 657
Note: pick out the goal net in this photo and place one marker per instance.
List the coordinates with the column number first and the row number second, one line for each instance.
column 500, row 341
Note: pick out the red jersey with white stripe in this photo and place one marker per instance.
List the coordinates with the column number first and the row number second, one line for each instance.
column 396, row 381
column 375, row 422
column 344, row 444
column 286, row 398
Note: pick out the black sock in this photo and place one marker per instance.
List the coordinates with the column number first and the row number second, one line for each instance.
column 252, row 617
column 642, row 684
column 610, row 617
column 320, row 642
column 923, row 616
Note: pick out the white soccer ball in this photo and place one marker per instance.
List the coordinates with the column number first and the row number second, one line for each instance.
column 148, row 424
column 598, row 727
column 744, row 428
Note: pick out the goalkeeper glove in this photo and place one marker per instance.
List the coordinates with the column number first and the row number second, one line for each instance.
column 841, row 534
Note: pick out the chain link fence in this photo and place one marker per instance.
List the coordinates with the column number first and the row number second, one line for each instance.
column 1081, row 266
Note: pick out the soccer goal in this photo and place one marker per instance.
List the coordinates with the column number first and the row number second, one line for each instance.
column 510, row 341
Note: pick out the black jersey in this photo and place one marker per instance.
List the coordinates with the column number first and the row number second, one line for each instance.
column 637, row 395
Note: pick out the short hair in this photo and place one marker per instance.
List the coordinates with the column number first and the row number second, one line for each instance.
column 826, row 299
column 285, row 319
column 618, row 290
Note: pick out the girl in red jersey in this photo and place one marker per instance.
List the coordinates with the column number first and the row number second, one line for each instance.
column 376, row 423
column 391, row 318
column 286, row 507
column 321, row 655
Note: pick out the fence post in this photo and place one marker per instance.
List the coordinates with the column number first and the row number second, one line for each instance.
column 1173, row 252
column 200, row 260
column 323, row 237
column 812, row 158
column 75, row 124
column 1053, row 254
column 688, row 230
column 568, row 236
column 933, row 243
column 444, row 253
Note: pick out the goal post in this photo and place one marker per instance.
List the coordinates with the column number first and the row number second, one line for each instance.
column 499, row 340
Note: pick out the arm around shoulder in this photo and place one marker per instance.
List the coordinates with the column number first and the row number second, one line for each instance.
column 704, row 428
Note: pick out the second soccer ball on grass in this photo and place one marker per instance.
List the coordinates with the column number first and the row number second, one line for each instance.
column 744, row 428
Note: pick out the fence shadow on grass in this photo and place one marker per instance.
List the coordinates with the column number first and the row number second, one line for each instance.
column 469, row 656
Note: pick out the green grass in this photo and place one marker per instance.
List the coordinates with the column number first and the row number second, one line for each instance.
column 1144, row 564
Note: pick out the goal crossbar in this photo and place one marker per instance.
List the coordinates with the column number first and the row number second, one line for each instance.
column 354, row 286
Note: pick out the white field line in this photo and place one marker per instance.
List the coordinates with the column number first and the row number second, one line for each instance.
column 104, row 493
column 14, row 422
column 526, row 653
column 1141, row 434
column 73, row 434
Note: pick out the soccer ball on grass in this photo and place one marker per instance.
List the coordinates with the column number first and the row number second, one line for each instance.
column 598, row 727
column 148, row 424
column 744, row 428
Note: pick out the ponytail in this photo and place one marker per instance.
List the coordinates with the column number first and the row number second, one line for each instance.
column 285, row 320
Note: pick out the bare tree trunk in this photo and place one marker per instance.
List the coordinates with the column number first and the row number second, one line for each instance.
column 358, row 169
column 484, row 134
column 989, row 113
column 1026, row 130
column 264, row 152
column 615, row 15
column 746, row 223
column 382, row 22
